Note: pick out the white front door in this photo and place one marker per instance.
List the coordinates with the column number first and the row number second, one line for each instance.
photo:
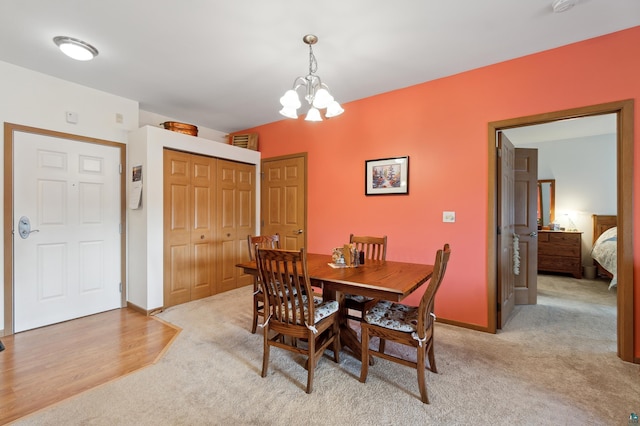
column 68, row 266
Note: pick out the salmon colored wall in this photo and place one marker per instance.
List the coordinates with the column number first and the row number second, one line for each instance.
column 442, row 125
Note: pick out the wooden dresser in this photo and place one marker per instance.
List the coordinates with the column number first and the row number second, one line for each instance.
column 560, row 251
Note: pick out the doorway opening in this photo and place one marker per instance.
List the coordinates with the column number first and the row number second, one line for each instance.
column 624, row 165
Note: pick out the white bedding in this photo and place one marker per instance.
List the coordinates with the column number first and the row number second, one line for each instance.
column 605, row 253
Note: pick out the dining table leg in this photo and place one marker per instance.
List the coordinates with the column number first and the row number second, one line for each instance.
column 348, row 336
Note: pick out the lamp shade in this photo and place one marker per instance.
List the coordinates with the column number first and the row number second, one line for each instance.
column 322, row 98
column 313, row 115
column 289, row 112
column 334, row 109
column 290, row 99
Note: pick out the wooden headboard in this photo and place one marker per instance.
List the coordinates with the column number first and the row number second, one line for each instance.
column 601, row 223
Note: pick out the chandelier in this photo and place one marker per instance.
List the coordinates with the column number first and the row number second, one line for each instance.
column 317, row 93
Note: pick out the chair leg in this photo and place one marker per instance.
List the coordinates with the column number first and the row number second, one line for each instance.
column 311, row 361
column 364, row 365
column 420, row 364
column 382, row 345
column 265, row 356
column 432, row 358
column 255, row 315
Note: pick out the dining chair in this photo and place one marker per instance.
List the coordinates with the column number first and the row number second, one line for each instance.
column 407, row 325
column 262, row 241
column 291, row 313
column 374, row 248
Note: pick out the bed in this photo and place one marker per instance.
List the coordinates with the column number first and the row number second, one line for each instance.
column 605, row 247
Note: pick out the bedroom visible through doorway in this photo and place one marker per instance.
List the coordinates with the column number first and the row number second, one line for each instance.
column 623, row 111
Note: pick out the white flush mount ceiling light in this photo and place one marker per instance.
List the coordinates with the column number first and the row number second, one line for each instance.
column 317, row 93
column 76, row 49
column 562, row 5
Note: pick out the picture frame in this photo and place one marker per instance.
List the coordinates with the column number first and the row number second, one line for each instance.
column 387, row 176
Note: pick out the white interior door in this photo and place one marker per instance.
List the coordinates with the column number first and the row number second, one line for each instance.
column 68, row 266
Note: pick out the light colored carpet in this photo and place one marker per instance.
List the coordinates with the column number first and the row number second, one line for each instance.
column 554, row 363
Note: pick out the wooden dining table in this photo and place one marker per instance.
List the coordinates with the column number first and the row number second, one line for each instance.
column 378, row 279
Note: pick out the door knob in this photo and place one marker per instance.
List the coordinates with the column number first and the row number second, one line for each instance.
column 300, row 231
column 533, row 234
column 24, row 227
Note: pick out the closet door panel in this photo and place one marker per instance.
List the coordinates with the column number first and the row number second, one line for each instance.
column 203, row 214
column 177, row 229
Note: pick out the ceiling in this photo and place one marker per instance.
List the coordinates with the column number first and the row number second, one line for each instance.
column 224, row 64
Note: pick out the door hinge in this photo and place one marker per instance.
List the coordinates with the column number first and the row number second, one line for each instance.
column 498, row 152
column 261, row 175
column 120, row 228
column 262, row 223
column 499, row 307
column 120, row 168
column 120, row 287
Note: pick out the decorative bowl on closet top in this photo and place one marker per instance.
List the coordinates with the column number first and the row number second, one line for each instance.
column 174, row 126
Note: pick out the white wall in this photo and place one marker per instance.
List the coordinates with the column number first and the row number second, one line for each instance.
column 38, row 100
column 585, row 174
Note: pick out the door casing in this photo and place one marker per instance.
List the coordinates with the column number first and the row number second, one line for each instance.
column 625, row 146
column 9, row 129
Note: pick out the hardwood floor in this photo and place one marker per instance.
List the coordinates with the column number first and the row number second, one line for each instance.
column 47, row 365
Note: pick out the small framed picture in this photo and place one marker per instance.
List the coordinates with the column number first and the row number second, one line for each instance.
column 386, row 176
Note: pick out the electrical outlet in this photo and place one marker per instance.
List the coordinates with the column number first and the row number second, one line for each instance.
column 448, row 216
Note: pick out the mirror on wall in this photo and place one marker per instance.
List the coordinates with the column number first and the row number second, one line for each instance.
column 546, row 201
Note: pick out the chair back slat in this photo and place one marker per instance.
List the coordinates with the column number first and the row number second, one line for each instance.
column 263, row 241
column 425, row 320
column 374, row 248
column 286, row 284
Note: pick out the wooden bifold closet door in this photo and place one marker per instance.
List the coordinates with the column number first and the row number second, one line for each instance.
column 236, row 219
column 189, row 227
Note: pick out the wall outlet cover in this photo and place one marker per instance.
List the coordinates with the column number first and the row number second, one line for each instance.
column 448, row 216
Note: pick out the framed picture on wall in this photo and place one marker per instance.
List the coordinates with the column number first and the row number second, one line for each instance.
column 386, row 176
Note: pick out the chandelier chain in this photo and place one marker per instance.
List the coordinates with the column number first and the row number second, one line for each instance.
column 313, row 64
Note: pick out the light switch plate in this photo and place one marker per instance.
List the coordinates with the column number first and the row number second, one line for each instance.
column 448, row 216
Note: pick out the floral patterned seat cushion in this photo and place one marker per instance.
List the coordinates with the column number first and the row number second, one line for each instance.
column 394, row 316
column 322, row 309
